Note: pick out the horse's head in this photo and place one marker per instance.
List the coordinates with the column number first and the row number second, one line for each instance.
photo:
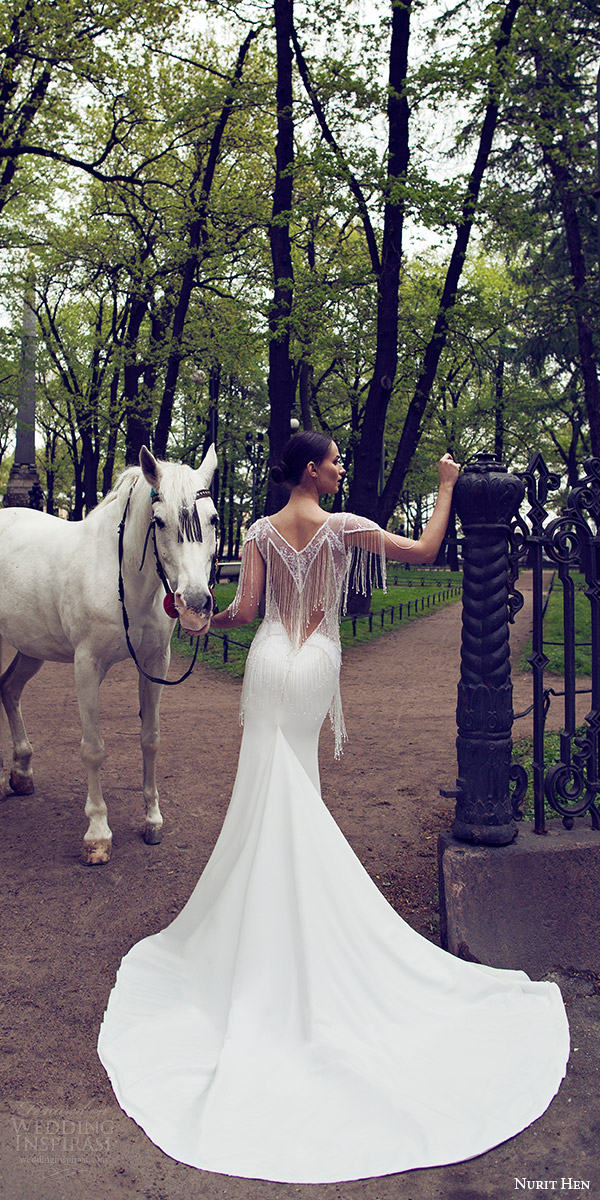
column 185, row 527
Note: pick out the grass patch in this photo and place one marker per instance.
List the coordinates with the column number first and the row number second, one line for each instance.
column 554, row 631
column 554, row 650
column 523, row 754
column 412, row 591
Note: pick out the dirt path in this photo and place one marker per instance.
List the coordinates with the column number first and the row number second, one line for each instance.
column 65, row 927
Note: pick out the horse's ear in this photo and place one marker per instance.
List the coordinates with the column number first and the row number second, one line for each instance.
column 208, row 466
column 150, row 467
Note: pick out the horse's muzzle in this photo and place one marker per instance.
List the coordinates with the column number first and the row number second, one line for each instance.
column 194, row 603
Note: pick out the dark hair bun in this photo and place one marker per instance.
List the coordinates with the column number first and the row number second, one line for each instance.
column 279, row 473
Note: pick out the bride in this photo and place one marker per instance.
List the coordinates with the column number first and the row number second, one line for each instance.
column 289, row 1025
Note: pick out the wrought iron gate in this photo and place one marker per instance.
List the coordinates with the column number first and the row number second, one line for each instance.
column 498, row 542
column 570, row 544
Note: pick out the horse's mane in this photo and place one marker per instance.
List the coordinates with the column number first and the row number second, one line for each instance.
column 124, row 480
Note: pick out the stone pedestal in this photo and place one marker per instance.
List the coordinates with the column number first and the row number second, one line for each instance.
column 24, row 489
column 545, row 892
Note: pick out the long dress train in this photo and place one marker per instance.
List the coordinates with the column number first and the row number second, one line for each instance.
column 288, row 1024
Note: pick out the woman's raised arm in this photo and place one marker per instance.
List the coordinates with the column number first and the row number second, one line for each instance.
column 426, row 548
column 244, row 606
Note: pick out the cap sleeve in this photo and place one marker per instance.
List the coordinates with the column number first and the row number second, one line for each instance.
column 251, row 580
column 364, row 543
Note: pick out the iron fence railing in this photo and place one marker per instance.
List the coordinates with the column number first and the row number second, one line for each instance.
column 570, row 543
column 499, row 541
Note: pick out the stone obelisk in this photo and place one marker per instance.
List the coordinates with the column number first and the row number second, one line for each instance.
column 24, row 489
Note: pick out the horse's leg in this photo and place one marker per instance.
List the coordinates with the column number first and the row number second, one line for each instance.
column 97, row 840
column 150, row 694
column 12, row 682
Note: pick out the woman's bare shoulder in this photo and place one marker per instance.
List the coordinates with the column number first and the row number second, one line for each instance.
column 298, row 526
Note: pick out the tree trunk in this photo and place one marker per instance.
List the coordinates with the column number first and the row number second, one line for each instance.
column 281, row 378
column 411, row 432
column 556, row 152
column 212, row 420
column 363, row 496
column 89, row 463
column 76, row 513
column 231, row 530
column 50, row 473
column 138, row 430
column 198, row 235
column 499, row 410
column 305, row 369
column 111, row 446
column 304, row 393
column 15, row 130
column 221, row 504
column 212, row 424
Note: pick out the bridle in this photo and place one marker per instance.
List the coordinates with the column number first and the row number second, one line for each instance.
column 186, row 527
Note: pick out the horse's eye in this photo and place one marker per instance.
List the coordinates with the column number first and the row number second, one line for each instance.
column 159, row 522
column 214, row 520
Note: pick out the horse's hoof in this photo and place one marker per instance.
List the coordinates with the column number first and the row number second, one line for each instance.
column 153, row 835
column 21, row 783
column 94, row 853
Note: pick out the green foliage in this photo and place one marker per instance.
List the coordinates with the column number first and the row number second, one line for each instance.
column 118, row 110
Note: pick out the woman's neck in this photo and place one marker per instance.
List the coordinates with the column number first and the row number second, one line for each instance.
column 304, row 498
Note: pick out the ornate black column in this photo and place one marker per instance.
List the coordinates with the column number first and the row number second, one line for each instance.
column 486, row 499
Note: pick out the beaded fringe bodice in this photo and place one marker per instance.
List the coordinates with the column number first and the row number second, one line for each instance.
column 304, row 588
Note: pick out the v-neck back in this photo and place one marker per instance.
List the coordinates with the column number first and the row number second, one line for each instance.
column 305, row 586
column 301, row 549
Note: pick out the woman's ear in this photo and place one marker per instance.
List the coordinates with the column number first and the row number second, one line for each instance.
column 312, row 469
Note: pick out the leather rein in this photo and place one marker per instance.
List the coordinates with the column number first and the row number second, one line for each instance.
column 200, row 495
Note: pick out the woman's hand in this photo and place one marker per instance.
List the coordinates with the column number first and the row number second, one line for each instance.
column 448, row 470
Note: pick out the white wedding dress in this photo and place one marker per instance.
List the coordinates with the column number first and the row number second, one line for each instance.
column 289, row 1025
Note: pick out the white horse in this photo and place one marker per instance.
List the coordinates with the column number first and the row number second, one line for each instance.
column 59, row 600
